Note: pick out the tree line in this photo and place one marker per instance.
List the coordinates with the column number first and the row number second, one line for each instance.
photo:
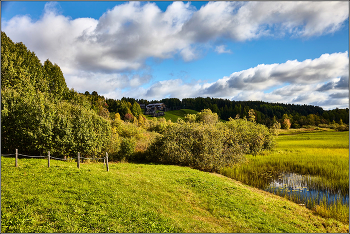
column 38, row 111
column 265, row 113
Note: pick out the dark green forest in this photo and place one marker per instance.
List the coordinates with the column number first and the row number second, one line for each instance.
column 265, row 113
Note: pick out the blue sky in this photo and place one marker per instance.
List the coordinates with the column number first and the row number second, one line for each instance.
column 287, row 52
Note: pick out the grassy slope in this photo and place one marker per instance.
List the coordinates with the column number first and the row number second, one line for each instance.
column 141, row 198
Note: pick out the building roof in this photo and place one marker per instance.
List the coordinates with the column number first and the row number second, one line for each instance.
column 156, row 104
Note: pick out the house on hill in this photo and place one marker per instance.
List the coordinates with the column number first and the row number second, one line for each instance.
column 152, row 108
column 158, row 106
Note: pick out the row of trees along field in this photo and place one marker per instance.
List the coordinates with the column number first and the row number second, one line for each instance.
column 38, row 111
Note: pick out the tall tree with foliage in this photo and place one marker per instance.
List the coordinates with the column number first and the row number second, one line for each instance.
column 39, row 113
column 56, row 81
column 136, row 109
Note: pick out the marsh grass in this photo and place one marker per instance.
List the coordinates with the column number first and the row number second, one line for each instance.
column 322, row 155
column 141, row 198
column 337, row 210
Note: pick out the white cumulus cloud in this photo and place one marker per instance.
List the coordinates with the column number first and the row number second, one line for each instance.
column 302, row 83
column 221, row 50
column 96, row 54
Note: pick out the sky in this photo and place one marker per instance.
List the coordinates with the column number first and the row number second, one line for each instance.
column 285, row 52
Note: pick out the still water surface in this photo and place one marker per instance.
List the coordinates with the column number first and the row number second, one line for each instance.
column 300, row 187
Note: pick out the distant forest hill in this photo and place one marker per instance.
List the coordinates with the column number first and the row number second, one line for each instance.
column 265, row 113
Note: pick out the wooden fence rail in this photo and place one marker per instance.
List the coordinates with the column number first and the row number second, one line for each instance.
column 49, row 157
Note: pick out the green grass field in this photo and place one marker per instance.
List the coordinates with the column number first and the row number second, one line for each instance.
column 175, row 114
column 141, row 198
column 324, row 155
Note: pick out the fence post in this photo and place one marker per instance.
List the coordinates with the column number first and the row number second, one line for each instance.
column 107, row 161
column 48, row 160
column 16, row 164
column 78, row 162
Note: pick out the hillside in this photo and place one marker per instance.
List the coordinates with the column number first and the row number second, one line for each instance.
column 141, row 198
column 265, row 113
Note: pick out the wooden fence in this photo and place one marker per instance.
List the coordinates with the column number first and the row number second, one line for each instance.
column 49, row 157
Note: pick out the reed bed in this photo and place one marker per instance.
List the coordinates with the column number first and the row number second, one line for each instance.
column 324, row 156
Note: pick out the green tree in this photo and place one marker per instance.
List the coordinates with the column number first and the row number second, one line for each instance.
column 251, row 115
column 124, row 108
column 56, row 81
column 136, row 109
column 141, row 121
column 39, row 113
column 207, row 116
column 286, row 124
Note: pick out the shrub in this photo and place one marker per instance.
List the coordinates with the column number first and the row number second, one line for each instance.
column 295, row 125
column 158, row 125
column 127, row 148
column 129, row 117
column 286, row 124
column 127, row 130
column 343, row 127
column 323, row 125
column 190, row 118
column 207, row 116
column 333, row 126
column 200, row 146
column 252, row 136
column 275, row 128
column 251, row 115
column 141, row 120
column 114, row 145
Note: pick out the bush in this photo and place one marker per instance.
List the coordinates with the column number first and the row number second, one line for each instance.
column 127, row 130
column 343, row 127
column 190, row 118
column 209, row 147
column 200, row 146
column 252, row 136
column 129, row 117
column 275, row 128
column 158, row 125
column 114, row 145
column 286, row 124
column 127, row 148
column 207, row 116
column 323, row 126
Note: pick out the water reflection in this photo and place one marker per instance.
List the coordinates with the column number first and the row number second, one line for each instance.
column 303, row 190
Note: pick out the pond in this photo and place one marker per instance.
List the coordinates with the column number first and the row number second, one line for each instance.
column 303, row 191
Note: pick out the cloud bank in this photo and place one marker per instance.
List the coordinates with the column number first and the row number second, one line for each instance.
column 109, row 54
column 323, row 81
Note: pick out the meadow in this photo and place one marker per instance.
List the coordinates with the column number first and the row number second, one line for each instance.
column 142, row 198
column 175, row 114
column 324, row 155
